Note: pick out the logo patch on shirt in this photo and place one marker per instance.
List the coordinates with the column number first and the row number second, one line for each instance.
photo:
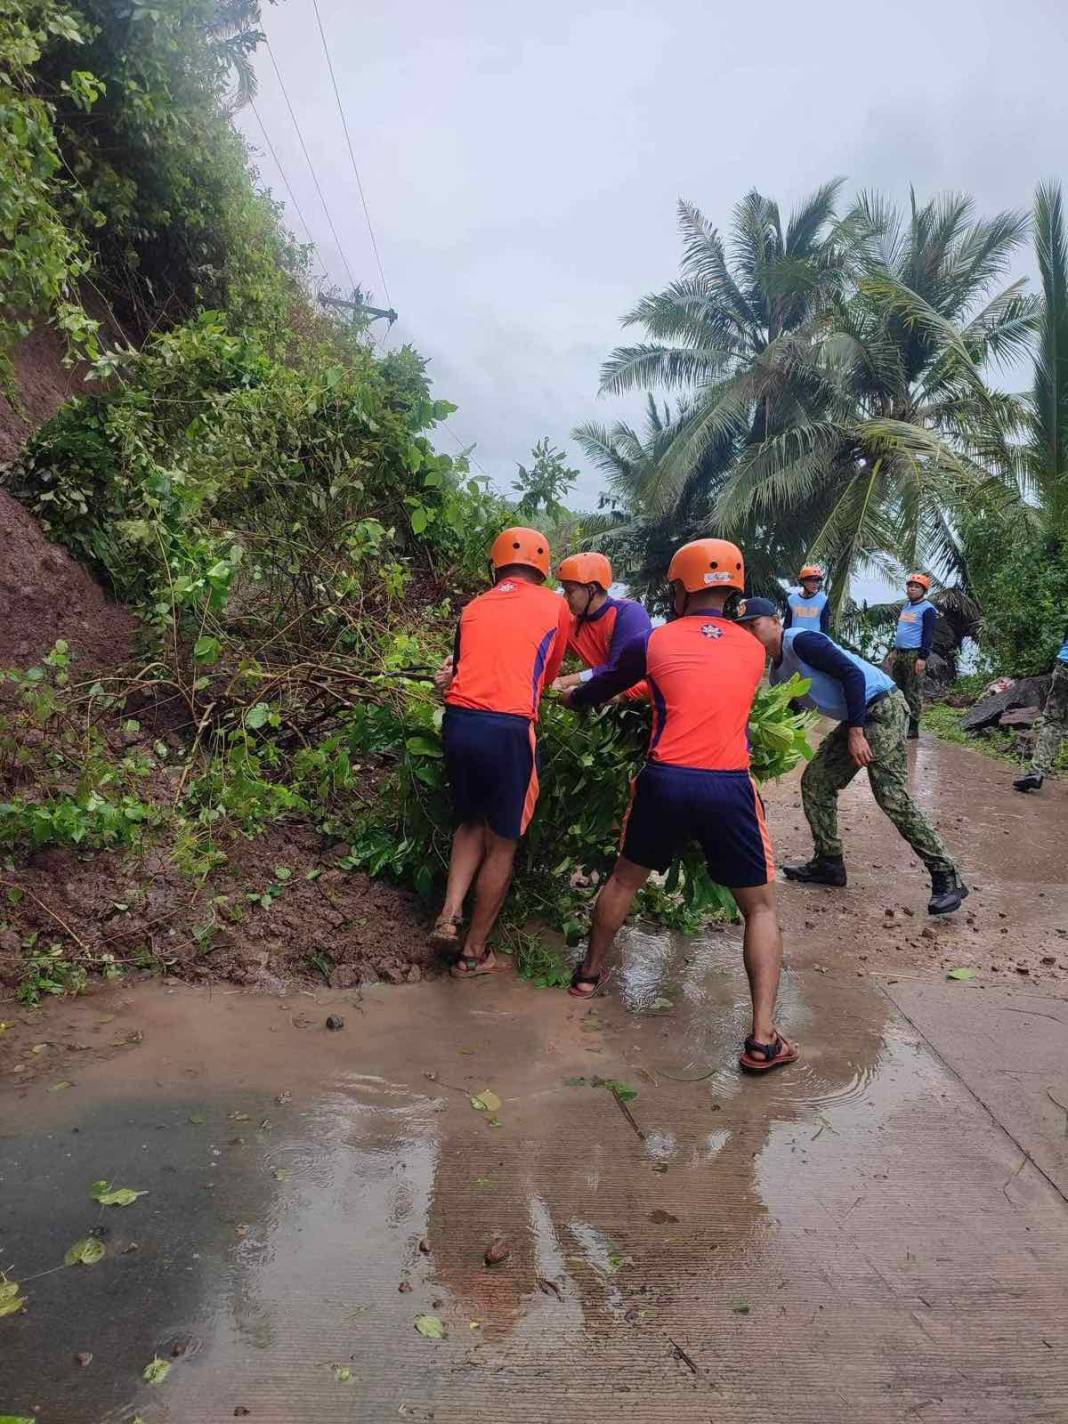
column 506, row 587
column 709, row 630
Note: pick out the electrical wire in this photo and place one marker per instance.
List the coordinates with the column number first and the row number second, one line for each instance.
column 292, row 196
column 311, row 167
column 352, row 155
column 466, row 449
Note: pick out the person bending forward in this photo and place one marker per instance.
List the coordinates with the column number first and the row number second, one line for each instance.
column 872, row 722
column 510, row 642
column 703, row 672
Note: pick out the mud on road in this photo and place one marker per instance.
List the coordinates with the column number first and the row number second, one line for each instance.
column 878, row 1233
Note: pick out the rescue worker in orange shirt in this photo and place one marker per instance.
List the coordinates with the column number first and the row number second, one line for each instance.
column 509, row 645
column 703, row 675
column 603, row 625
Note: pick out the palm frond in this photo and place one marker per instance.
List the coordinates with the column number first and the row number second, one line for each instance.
column 1049, row 439
column 811, row 217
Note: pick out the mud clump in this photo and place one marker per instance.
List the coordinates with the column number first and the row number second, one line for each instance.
column 45, row 595
column 324, row 926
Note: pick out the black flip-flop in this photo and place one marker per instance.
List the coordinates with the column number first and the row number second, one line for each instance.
column 597, row 980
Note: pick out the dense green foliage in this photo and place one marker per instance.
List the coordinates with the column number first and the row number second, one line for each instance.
column 215, row 464
column 1020, row 571
column 42, row 255
column 1017, row 551
column 124, row 185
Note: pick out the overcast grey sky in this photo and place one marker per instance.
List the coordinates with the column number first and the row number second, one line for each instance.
column 522, row 163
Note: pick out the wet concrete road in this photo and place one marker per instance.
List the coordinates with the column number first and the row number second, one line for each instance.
column 879, row 1233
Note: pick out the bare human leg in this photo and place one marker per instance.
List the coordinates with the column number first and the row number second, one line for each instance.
column 762, row 956
column 468, row 848
column 491, row 887
column 612, row 908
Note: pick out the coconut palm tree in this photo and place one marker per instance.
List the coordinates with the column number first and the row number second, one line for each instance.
column 732, row 335
column 723, row 332
column 1046, row 450
column 233, row 33
column 644, row 514
column 895, row 425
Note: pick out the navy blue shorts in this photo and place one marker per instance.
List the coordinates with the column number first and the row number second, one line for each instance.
column 721, row 810
column 491, row 762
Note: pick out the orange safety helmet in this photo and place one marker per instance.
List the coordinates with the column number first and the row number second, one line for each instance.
column 924, row 580
column 708, row 563
column 811, row 571
column 521, row 546
column 586, row 568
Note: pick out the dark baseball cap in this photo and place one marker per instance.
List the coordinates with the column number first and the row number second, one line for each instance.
column 751, row 608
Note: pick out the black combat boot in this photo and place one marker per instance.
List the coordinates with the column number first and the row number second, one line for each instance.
column 1031, row 781
column 914, row 729
column 947, row 892
column 820, row 870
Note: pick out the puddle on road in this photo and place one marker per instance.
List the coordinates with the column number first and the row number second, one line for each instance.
column 311, row 1193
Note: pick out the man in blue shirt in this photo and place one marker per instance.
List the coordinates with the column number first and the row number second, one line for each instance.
column 808, row 606
column 1054, row 727
column 912, row 645
column 872, row 718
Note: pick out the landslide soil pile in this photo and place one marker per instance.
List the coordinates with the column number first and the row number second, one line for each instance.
column 318, row 923
column 45, row 595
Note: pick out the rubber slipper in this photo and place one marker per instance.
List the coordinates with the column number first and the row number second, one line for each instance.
column 763, row 1057
column 597, row 980
column 470, row 966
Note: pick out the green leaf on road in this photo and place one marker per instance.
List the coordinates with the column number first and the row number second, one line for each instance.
column 740, row 1307
column 156, row 1371
column 107, row 1195
column 11, row 1302
column 623, row 1091
column 486, row 1101
column 430, row 1327
column 342, row 1373
column 85, row 1252
column 961, row 974
column 16, row 1419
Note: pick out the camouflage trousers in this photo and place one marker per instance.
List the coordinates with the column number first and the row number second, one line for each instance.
column 903, row 671
column 832, row 768
column 1054, row 721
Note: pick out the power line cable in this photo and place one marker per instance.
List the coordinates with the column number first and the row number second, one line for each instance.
column 466, row 449
column 352, row 155
column 311, row 166
column 292, row 196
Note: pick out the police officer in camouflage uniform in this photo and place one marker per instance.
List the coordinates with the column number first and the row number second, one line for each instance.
column 1054, row 727
column 913, row 640
column 872, row 718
